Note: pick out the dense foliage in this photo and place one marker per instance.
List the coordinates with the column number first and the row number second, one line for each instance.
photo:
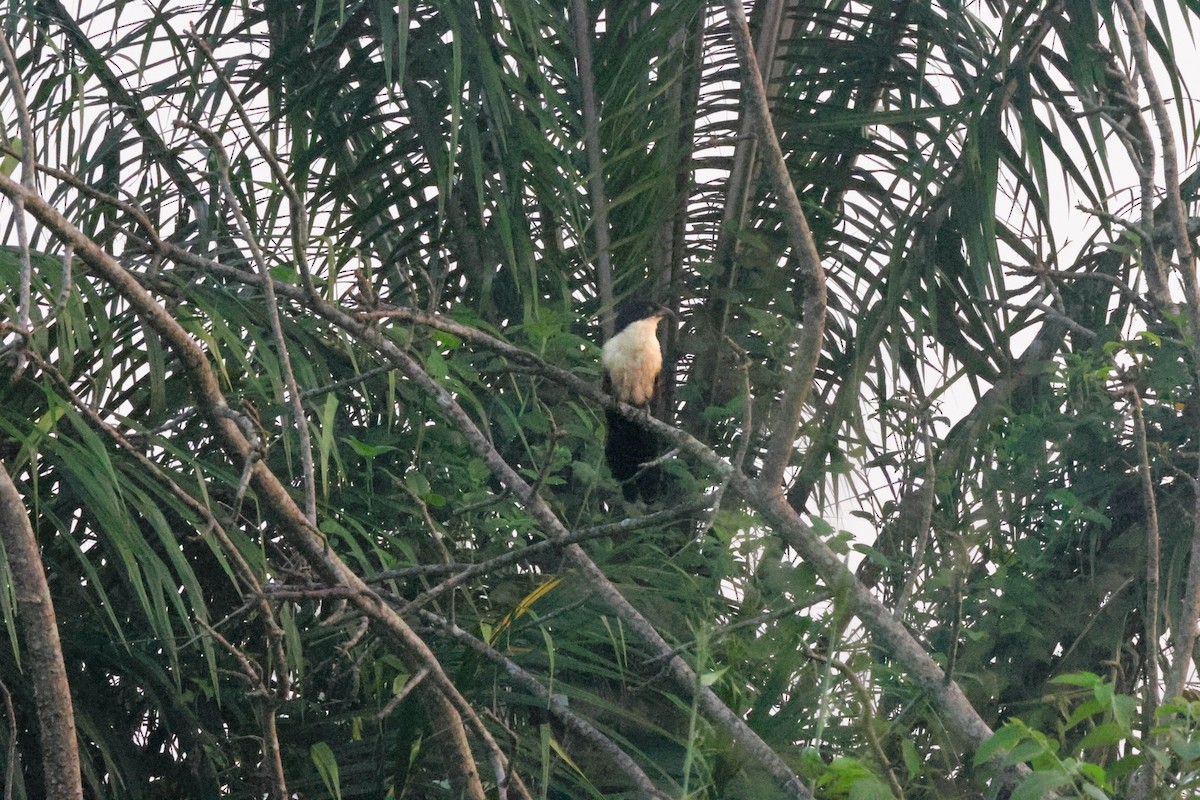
column 304, row 404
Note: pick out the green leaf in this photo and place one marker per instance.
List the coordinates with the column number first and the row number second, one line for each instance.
column 327, row 768
column 326, row 438
column 821, row 527
column 9, row 163
column 436, row 366
column 1040, row 785
column 1078, row 678
column 1103, row 734
column 1002, row 741
column 870, row 788
column 913, row 763
column 1186, row 748
column 369, row 450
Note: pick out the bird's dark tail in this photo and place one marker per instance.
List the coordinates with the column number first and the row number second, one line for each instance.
column 628, row 446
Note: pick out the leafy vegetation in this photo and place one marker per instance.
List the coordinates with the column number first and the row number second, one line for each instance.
column 303, row 405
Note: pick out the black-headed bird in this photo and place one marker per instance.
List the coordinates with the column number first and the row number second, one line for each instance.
column 632, row 361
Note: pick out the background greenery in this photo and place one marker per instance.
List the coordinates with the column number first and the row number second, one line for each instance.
column 989, row 357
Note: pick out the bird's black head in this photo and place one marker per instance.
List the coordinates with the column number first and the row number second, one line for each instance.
column 632, row 310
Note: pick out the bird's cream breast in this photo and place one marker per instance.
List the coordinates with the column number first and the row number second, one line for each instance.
column 633, row 360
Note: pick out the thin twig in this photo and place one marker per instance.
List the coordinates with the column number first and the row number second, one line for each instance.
column 1050, row 313
column 1134, row 15
column 1127, row 293
column 757, row 620
column 299, row 417
column 399, row 696
column 296, row 207
column 534, row 550
column 251, row 673
column 344, row 382
column 555, row 704
column 1136, row 228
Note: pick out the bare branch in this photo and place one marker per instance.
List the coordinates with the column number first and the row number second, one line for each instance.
column 556, row 705
column 296, row 207
column 43, row 651
column 595, row 158
column 399, row 696
column 1134, row 15
column 811, row 331
column 270, row 491
column 299, row 417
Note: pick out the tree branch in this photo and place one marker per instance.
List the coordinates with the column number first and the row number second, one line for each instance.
column 811, row 331
column 299, row 418
column 271, row 493
column 554, row 704
column 595, row 158
column 43, row 651
column 960, row 716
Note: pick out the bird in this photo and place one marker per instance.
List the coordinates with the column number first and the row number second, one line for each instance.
column 632, row 360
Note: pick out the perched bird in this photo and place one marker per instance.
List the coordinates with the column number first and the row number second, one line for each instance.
column 632, row 361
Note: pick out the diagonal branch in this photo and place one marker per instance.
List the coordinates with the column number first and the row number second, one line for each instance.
column 300, row 419
column 556, row 705
column 273, row 495
column 811, row 332
column 1134, row 15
